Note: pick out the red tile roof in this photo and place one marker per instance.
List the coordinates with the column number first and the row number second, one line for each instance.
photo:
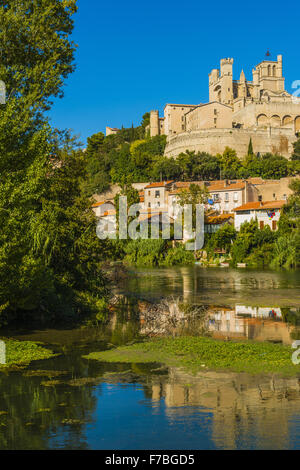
column 222, row 186
column 260, row 205
column 111, row 212
column 256, row 180
column 187, row 184
column 97, row 204
column 158, row 185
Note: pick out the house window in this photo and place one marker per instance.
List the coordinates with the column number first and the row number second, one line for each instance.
column 216, row 197
column 215, row 121
column 260, row 198
column 157, row 193
column 149, row 193
column 235, row 197
column 226, row 197
column 149, row 204
column 158, row 204
column 274, row 225
column 274, row 196
column 182, row 127
column 215, row 112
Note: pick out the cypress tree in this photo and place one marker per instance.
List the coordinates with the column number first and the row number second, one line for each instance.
column 250, row 148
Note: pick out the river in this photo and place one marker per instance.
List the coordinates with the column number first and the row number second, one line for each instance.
column 69, row 402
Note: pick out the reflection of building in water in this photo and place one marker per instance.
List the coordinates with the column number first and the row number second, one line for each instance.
column 225, row 322
column 188, row 283
column 259, row 323
column 241, row 405
column 260, row 312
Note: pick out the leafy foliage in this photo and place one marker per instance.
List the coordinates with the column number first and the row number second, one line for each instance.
column 49, row 253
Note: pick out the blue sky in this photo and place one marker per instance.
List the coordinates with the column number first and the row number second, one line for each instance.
column 134, row 56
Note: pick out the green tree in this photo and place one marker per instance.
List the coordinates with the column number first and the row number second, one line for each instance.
column 224, row 237
column 36, row 51
column 132, row 197
column 230, row 164
column 296, row 152
column 196, row 194
column 250, row 148
column 94, row 144
column 49, row 253
column 165, row 168
column 198, row 166
column 145, row 120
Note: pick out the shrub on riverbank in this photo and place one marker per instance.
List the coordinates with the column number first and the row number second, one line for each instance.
column 153, row 253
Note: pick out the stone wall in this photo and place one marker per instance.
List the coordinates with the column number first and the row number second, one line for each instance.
column 214, row 141
column 277, row 114
column 208, row 116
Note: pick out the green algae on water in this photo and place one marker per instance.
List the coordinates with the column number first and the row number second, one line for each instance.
column 22, row 353
column 201, row 353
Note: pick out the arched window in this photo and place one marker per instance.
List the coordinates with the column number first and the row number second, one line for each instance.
column 275, row 121
column 218, row 93
column 287, row 120
column 262, row 120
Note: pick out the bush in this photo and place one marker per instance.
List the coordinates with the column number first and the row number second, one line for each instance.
column 179, row 256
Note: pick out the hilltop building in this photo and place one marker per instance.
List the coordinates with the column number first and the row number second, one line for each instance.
column 111, row 130
column 237, row 110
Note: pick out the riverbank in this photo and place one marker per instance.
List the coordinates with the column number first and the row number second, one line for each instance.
column 22, row 353
column 198, row 353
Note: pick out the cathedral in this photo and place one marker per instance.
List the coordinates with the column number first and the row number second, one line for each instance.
column 237, row 111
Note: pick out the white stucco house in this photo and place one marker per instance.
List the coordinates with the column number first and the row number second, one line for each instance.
column 101, row 208
column 106, row 214
column 266, row 213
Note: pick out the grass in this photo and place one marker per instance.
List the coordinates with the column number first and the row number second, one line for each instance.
column 21, row 353
column 197, row 353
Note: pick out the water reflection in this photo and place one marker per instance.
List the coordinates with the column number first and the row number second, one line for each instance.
column 247, row 412
column 255, row 323
column 147, row 407
column 216, row 285
column 71, row 403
